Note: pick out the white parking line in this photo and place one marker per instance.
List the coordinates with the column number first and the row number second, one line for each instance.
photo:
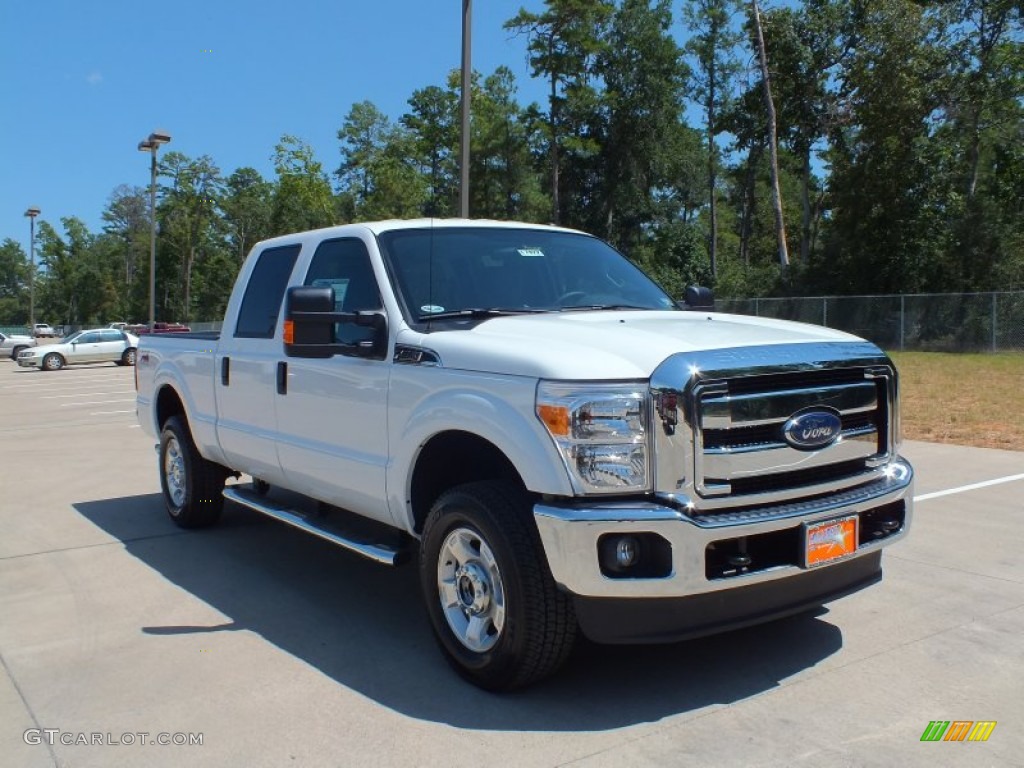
column 971, row 487
column 100, row 381
column 106, row 413
column 79, row 394
column 99, row 402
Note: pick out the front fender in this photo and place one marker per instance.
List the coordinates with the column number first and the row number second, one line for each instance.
column 428, row 401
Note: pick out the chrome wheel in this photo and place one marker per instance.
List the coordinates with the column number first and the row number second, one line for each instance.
column 129, row 357
column 174, row 472
column 470, row 588
column 53, row 362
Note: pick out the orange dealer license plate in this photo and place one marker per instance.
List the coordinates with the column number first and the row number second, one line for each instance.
column 829, row 540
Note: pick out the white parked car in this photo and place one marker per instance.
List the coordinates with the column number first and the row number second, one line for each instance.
column 98, row 345
column 13, row 345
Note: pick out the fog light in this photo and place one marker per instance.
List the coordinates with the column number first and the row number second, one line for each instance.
column 626, row 551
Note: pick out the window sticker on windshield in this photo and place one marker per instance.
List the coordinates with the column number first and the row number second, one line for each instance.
column 340, row 286
column 430, row 309
column 530, row 252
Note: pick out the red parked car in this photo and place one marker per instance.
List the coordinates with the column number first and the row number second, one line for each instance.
column 142, row 329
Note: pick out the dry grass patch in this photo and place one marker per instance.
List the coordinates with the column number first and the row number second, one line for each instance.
column 975, row 399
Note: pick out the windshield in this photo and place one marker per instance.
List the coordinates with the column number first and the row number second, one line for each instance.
column 71, row 337
column 448, row 271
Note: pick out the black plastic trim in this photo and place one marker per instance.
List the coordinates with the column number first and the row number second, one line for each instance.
column 668, row 619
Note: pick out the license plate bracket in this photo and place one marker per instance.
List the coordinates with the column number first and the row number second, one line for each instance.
column 827, row 541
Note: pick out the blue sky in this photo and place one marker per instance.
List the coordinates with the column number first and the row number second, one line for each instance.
column 81, row 83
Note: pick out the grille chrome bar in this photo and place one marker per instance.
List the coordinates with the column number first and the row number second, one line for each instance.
column 758, row 408
column 749, row 460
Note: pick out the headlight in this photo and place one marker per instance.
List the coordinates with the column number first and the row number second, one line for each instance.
column 601, row 432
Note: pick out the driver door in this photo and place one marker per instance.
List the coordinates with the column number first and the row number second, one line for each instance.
column 85, row 349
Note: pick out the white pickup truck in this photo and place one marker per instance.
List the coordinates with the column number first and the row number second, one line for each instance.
column 561, row 447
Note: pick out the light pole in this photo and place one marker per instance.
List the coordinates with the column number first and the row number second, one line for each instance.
column 151, row 144
column 32, row 212
column 467, row 70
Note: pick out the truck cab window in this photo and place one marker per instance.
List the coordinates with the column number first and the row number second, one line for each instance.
column 344, row 265
column 261, row 305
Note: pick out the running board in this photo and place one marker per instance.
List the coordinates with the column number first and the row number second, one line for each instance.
column 387, row 554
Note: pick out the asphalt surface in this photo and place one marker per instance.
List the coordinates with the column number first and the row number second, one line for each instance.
column 275, row 648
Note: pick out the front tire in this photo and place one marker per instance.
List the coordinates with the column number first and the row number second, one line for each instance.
column 192, row 486
column 53, row 362
column 495, row 610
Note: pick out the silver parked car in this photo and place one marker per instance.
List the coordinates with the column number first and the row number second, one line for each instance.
column 13, row 345
column 92, row 346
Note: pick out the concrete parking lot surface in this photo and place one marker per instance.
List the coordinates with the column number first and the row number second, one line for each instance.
column 274, row 648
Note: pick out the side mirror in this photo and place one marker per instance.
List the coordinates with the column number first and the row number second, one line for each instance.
column 307, row 318
column 310, row 320
column 698, row 298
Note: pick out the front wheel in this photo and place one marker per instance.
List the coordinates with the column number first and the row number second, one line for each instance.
column 53, row 362
column 192, row 486
column 495, row 610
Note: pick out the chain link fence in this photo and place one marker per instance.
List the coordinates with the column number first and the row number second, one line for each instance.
column 935, row 322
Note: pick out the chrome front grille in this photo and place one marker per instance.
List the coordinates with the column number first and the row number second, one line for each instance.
column 739, row 444
column 720, row 419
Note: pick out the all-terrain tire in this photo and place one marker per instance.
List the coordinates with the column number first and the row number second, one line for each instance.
column 496, row 612
column 192, row 486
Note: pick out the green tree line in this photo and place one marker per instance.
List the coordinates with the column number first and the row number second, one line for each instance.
column 900, row 154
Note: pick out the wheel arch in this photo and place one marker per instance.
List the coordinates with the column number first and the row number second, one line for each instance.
column 452, row 458
column 168, row 404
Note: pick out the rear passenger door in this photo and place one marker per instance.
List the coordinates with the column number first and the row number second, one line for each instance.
column 112, row 345
column 246, row 368
column 332, row 418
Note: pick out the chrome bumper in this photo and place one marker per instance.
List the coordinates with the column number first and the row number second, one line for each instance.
column 570, row 536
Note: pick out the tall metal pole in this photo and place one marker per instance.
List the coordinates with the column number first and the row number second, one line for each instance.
column 467, row 70
column 32, row 213
column 152, row 238
column 32, row 274
column 151, row 145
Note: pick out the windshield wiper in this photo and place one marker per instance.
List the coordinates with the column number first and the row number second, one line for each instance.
column 476, row 312
column 583, row 307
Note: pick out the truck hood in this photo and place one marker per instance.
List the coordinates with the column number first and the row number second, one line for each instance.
column 603, row 344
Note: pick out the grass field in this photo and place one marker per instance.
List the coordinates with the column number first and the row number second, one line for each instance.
column 964, row 399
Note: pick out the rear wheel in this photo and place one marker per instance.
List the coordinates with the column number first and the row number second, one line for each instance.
column 53, row 362
column 496, row 612
column 128, row 358
column 192, row 486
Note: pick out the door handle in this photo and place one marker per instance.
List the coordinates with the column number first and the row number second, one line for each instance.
column 225, row 371
column 282, row 378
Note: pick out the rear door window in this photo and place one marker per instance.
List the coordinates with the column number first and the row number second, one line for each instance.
column 261, row 304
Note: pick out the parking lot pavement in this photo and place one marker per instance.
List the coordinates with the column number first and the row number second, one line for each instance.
column 275, row 648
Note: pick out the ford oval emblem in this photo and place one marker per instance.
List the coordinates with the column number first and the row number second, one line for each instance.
column 813, row 428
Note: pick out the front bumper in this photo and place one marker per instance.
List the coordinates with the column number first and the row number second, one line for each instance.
column 30, row 362
column 570, row 536
column 669, row 619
